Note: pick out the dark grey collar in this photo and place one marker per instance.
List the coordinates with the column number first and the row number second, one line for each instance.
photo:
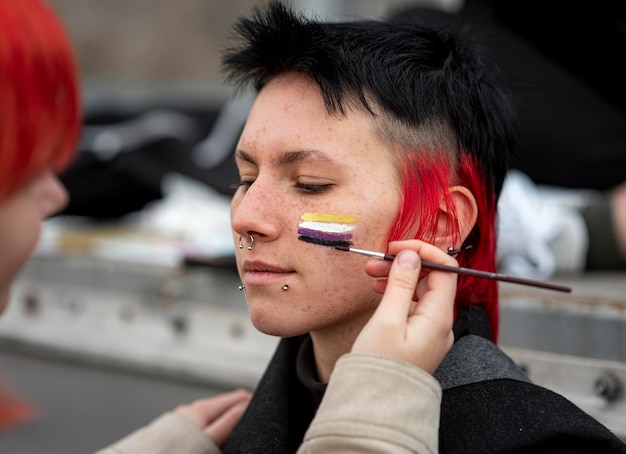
column 474, row 359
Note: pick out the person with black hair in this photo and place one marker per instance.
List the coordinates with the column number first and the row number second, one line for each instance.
column 393, row 138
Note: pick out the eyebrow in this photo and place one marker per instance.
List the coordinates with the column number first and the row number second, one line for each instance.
column 291, row 157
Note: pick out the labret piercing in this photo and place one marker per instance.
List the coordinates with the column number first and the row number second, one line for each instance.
column 242, row 287
column 284, row 287
column 251, row 242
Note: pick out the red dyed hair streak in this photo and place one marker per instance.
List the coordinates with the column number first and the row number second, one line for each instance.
column 425, row 177
column 39, row 99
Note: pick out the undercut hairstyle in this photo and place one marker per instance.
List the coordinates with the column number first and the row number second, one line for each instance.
column 39, row 100
column 431, row 93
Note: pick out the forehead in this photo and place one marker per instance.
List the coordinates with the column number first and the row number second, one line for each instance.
column 289, row 112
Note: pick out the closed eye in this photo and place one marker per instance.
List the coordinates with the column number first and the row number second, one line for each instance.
column 242, row 184
column 310, row 188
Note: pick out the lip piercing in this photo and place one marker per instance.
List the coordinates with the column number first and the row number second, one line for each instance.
column 285, row 288
column 251, row 242
column 242, row 287
column 452, row 251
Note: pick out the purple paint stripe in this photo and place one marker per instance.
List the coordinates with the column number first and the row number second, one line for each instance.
column 325, row 236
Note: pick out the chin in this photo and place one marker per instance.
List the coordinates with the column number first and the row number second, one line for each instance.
column 268, row 321
column 272, row 328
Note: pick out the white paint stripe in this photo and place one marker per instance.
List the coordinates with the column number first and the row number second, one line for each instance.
column 327, row 226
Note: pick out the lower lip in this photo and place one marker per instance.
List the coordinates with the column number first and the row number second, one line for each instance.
column 264, row 277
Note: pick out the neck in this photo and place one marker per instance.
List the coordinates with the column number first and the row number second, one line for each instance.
column 330, row 343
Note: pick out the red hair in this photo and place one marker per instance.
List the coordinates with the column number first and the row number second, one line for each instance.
column 39, row 100
column 425, row 177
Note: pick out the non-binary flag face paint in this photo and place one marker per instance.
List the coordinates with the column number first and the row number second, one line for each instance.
column 327, row 229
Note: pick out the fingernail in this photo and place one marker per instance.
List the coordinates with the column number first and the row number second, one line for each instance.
column 408, row 259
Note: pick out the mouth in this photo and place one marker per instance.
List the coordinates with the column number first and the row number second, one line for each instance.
column 261, row 273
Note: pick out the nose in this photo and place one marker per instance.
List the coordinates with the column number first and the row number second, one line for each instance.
column 51, row 195
column 256, row 212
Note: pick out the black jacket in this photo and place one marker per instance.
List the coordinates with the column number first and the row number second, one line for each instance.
column 489, row 405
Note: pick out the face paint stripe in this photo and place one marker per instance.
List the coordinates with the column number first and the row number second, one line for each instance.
column 326, row 236
column 322, row 217
column 324, row 242
column 327, row 226
column 327, row 229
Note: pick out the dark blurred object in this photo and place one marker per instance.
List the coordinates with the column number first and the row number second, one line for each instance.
column 586, row 38
column 124, row 154
column 564, row 65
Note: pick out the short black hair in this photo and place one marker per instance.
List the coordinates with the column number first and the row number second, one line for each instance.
column 415, row 73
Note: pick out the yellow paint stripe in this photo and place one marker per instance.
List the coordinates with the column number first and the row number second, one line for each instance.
column 322, row 217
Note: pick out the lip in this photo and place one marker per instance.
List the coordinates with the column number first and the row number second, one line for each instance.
column 257, row 272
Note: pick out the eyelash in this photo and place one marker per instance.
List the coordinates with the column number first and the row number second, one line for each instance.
column 313, row 188
column 304, row 187
column 241, row 184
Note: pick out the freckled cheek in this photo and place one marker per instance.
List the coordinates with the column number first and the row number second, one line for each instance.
column 374, row 226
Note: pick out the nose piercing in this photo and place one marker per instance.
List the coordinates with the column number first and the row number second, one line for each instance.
column 251, row 242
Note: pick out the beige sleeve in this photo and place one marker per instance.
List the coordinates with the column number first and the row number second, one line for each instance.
column 165, row 435
column 376, row 404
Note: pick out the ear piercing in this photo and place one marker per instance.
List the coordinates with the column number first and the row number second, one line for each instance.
column 452, row 251
column 251, row 242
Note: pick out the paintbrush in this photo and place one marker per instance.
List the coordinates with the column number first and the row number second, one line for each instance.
column 464, row 271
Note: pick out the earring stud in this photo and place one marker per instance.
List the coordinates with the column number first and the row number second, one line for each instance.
column 452, row 251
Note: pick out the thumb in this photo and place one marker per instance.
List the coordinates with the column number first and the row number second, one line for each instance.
column 401, row 283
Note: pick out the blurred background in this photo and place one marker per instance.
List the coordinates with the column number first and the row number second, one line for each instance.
column 130, row 305
column 140, row 48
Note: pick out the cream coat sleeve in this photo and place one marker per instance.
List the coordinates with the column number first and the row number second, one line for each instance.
column 376, row 404
column 170, row 433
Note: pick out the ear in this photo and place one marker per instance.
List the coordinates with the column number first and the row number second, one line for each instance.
column 455, row 223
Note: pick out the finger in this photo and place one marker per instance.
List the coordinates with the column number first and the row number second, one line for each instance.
column 220, row 429
column 204, row 411
column 379, row 285
column 430, row 253
column 401, row 283
column 439, row 285
column 378, row 268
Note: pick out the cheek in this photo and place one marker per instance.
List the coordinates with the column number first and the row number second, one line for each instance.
column 340, row 284
column 18, row 247
column 376, row 223
column 17, row 242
